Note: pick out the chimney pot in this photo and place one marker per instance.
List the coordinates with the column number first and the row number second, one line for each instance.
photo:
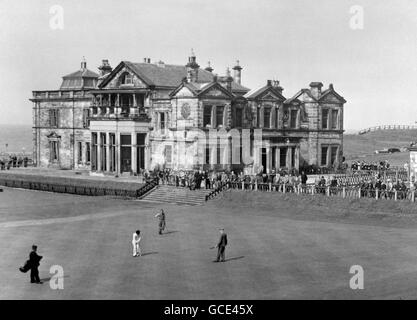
column 315, row 89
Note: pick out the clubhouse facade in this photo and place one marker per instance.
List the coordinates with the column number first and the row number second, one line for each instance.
column 142, row 116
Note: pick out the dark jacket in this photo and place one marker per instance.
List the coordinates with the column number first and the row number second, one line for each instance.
column 222, row 241
column 34, row 259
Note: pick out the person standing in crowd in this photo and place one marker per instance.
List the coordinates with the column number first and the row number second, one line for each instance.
column 34, row 262
column 136, row 244
column 221, row 246
column 162, row 222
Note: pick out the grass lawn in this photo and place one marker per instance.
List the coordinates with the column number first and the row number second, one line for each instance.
column 362, row 147
column 280, row 247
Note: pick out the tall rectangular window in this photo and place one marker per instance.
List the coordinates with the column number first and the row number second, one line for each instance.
column 162, row 120
column 219, row 115
column 293, row 119
column 333, row 155
column 283, row 157
column 239, row 117
column 277, row 125
column 219, row 153
column 54, row 151
column 80, row 152
column 87, row 152
column 267, row 118
column 207, row 116
column 86, row 120
column 207, row 155
column 324, row 155
column 54, row 118
column 258, row 117
column 334, row 119
column 324, row 118
column 94, row 151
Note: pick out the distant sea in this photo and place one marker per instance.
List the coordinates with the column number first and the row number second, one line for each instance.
column 18, row 138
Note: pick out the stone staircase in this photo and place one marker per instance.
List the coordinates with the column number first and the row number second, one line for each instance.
column 178, row 195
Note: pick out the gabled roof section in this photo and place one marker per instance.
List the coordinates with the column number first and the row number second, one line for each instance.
column 131, row 67
column 331, row 90
column 194, row 90
column 261, row 92
column 215, row 85
column 298, row 94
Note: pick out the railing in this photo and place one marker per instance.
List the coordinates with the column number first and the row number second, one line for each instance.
column 353, row 192
column 147, row 187
column 215, row 192
column 388, row 127
column 74, row 189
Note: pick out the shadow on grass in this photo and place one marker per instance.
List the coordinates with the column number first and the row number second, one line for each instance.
column 148, row 253
column 169, row 232
column 234, row 258
column 47, row 279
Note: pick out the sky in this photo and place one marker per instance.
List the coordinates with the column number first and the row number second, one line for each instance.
column 372, row 62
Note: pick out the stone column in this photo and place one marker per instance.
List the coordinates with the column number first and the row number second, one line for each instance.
column 118, row 110
column 134, row 154
column 268, row 160
column 117, row 157
column 329, row 151
column 297, row 158
column 133, row 108
column 107, row 152
column 99, row 151
column 277, row 157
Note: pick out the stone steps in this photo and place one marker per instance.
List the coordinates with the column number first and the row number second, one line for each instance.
column 178, row 195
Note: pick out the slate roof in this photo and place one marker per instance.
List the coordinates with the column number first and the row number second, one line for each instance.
column 83, row 73
column 80, row 79
column 170, row 75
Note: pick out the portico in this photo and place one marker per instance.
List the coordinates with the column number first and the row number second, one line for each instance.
column 119, row 146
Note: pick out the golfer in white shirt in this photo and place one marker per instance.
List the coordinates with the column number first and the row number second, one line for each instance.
column 136, row 244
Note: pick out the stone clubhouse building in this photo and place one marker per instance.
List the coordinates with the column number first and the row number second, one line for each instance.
column 154, row 115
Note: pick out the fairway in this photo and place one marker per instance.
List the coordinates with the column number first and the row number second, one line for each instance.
column 293, row 251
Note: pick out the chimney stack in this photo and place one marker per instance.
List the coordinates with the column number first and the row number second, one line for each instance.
column 209, row 68
column 229, row 80
column 83, row 64
column 192, row 68
column 315, row 89
column 237, row 74
column 105, row 67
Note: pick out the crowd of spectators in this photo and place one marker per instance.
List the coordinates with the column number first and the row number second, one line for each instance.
column 370, row 166
column 13, row 161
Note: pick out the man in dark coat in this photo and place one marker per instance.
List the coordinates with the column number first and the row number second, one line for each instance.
column 221, row 246
column 34, row 260
column 162, row 222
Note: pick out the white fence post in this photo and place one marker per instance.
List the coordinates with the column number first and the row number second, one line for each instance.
column 395, row 195
column 376, row 194
column 359, row 193
column 344, row 192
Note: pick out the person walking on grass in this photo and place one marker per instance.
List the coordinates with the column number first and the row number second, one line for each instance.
column 33, row 264
column 136, row 244
column 162, row 222
column 221, row 246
